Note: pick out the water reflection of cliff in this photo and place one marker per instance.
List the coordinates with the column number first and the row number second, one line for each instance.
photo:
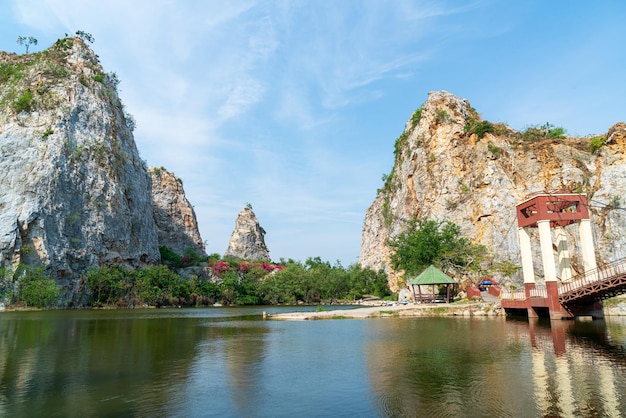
column 55, row 364
column 493, row 367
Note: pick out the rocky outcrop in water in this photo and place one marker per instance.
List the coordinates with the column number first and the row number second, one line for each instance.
column 247, row 241
column 452, row 165
column 175, row 217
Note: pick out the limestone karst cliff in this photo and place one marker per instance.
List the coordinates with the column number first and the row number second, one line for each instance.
column 248, row 238
column 74, row 191
column 448, row 166
column 175, row 217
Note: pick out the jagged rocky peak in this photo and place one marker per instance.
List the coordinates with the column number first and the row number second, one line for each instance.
column 74, row 192
column 452, row 165
column 174, row 216
column 247, row 241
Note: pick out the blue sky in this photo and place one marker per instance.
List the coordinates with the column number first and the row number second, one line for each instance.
column 294, row 106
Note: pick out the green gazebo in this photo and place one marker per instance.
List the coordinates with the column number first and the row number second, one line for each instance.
column 431, row 276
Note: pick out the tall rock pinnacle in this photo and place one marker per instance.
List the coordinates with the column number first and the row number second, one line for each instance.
column 174, row 216
column 248, row 238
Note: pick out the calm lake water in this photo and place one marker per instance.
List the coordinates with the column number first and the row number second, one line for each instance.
column 228, row 362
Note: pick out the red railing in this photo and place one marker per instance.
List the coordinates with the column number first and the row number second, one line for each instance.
column 603, row 273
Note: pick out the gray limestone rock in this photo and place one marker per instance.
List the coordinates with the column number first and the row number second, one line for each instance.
column 174, row 216
column 74, row 192
column 247, row 241
column 442, row 171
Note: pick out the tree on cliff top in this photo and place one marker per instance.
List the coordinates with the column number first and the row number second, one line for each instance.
column 26, row 41
column 439, row 243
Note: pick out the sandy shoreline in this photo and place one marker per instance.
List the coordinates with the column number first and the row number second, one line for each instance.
column 435, row 309
column 482, row 309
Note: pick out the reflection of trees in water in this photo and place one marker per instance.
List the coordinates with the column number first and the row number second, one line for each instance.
column 461, row 367
column 83, row 366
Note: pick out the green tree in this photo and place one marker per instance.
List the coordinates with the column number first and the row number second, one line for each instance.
column 439, row 243
column 365, row 281
column 208, row 292
column 37, row 288
column 229, row 287
column 157, row 286
column 317, row 280
column 169, row 257
column 107, row 285
column 87, row 37
column 26, row 41
column 6, row 284
column 286, row 286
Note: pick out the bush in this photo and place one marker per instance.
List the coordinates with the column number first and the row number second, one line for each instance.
column 494, row 149
column 169, row 257
column 40, row 293
column 107, row 285
column 11, row 71
column 23, row 103
column 415, row 117
column 596, row 143
column 400, row 144
column 37, row 289
column 441, row 116
column 158, row 286
column 483, row 128
column 547, row 130
column 556, row 133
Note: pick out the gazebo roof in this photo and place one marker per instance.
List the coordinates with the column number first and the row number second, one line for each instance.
column 432, row 275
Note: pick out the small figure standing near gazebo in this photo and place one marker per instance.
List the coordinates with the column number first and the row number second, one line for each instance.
column 434, row 277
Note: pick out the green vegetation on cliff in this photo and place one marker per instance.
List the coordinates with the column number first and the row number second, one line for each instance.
column 428, row 242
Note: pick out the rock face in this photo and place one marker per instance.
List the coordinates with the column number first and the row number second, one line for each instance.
column 445, row 168
column 74, row 192
column 174, row 216
column 248, row 238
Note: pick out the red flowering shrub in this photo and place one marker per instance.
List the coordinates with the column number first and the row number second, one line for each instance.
column 220, row 267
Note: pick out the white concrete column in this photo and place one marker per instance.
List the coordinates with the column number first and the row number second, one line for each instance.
column 586, row 243
column 565, row 267
column 527, row 255
column 547, row 256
